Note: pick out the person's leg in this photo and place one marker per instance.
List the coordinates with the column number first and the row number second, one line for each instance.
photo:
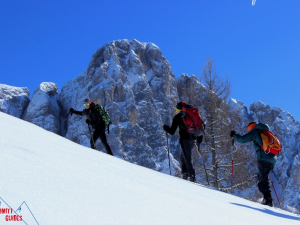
column 94, row 137
column 187, row 147
column 183, row 166
column 104, row 142
column 264, row 169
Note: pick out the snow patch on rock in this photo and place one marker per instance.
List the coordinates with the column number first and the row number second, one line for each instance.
column 13, row 100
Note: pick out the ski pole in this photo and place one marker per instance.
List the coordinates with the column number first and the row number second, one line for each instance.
column 168, row 152
column 275, row 192
column 62, row 122
column 92, row 138
column 232, row 146
column 203, row 163
column 207, row 150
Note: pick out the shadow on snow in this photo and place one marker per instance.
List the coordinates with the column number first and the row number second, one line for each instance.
column 270, row 212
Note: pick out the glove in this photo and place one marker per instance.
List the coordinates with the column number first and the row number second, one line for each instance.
column 71, row 111
column 232, row 133
column 165, row 127
column 88, row 122
column 204, row 126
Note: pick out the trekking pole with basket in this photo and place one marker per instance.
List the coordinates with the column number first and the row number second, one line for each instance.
column 275, row 192
column 92, row 138
column 62, row 122
column 168, row 152
column 204, row 166
column 232, row 147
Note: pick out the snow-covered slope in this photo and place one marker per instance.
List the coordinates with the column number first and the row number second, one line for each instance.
column 65, row 183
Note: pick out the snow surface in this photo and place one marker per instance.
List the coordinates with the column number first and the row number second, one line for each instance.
column 65, row 183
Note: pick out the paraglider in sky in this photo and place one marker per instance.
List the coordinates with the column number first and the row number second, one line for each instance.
column 253, row 2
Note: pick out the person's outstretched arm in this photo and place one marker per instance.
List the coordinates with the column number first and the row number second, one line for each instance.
column 73, row 111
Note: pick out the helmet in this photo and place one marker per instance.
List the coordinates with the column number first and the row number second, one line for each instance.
column 251, row 125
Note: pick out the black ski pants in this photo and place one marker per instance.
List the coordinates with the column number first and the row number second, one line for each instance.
column 187, row 146
column 264, row 168
column 100, row 132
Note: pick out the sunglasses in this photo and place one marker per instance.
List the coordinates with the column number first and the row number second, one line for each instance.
column 86, row 104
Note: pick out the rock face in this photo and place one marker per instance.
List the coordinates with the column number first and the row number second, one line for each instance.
column 238, row 107
column 43, row 109
column 13, row 100
column 136, row 85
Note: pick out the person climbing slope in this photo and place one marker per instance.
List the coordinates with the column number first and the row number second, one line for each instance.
column 265, row 160
column 98, row 118
column 187, row 140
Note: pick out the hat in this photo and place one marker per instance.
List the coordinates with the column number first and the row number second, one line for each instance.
column 251, row 125
column 87, row 100
column 179, row 106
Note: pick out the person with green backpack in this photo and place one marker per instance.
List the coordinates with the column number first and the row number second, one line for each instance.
column 266, row 158
column 98, row 118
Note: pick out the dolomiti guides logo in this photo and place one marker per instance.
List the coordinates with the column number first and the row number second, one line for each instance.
column 11, row 215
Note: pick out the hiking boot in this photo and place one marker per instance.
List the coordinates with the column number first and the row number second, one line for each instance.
column 267, row 201
column 184, row 176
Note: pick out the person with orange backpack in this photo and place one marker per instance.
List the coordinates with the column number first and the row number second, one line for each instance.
column 191, row 128
column 267, row 146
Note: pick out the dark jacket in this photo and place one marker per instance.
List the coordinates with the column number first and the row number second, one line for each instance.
column 178, row 122
column 254, row 135
column 93, row 115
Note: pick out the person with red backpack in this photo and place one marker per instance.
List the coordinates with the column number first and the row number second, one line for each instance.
column 187, row 136
column 265, row 159
column 98, row 118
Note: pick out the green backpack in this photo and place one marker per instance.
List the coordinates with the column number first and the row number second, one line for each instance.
column 103, row 113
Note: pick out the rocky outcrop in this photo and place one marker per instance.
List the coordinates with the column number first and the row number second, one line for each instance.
column 238, row 108
column 136, row 85
column 13, row 100
column 43, row 109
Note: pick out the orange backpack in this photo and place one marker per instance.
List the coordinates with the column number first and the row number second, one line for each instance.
column 271, row 144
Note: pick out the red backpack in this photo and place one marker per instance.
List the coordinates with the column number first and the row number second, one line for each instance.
column 192, row 120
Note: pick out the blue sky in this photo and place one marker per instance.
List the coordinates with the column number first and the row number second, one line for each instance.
column 257, row 46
